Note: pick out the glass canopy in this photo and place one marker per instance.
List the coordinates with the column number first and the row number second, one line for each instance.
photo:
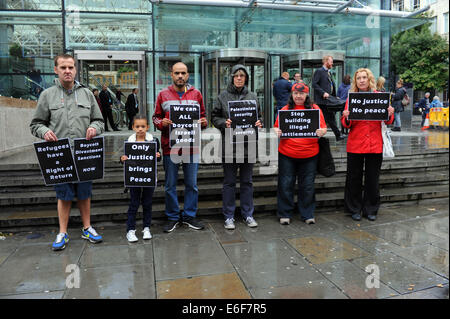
column 202, row 25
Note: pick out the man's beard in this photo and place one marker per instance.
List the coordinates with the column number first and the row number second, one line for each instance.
column 180, row 86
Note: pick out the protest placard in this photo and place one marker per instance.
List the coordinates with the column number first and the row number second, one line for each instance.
column 56, row 162
column 89, row 156
column 140, row 167
column 299, row 123
column 243, row 115
column 368, row 106
column 185, row 129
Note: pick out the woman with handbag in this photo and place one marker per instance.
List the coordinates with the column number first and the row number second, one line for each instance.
column 397, row 98
column 297, row 158
column 364, row 155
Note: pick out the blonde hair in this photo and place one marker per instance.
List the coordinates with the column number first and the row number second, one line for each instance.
column 325, row 58
column 380, row 83
column 400, row 81
column 372, row 85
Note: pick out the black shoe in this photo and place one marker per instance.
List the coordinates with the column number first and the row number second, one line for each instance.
column 372, row 218
column 356, row 216
column 170, row 226
column 193, row 223
column 340, row 138
column 396, row 129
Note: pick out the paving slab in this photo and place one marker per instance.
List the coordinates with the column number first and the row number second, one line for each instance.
column 400, row 274
column 271, row 263
column 325, row 249
column 322, row 289
column 220, row 286
column 115, row 282
column 352, row 281
column 194, row 253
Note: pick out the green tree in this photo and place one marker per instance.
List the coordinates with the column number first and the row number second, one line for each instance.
column 421, row 58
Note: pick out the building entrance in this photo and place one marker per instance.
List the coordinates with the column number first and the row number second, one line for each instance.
column 120, row 71
column 216, row 72
column 307, row 62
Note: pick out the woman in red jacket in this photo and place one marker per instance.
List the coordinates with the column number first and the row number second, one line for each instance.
column 297, row 158
column 364, row 152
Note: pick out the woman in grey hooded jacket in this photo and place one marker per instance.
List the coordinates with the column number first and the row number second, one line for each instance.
column 238, row 158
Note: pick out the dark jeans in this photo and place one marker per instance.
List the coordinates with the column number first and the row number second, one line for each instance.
column 289, row 170
column 358, row 198
column 140, row 195
column 330, row 119
column 229, row 189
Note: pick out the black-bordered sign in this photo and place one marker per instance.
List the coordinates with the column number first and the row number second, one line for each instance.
column 243, row 115
column 89, row 156
column 56, row 162
column 185, row 129
column 299, row 123
column 140, row 167
column 367, row 106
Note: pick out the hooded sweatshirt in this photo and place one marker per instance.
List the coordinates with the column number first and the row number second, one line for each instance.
column 68, row 113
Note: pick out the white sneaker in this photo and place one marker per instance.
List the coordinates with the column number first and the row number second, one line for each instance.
column 285, row 221
column 229, row 223
column 147, row 234
column 131, row 236
column 310, row 221
column 251, row 222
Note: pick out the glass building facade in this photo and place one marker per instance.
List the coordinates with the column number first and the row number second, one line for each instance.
column 32, row 32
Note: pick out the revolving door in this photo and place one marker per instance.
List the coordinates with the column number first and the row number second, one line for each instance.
column 216, row 76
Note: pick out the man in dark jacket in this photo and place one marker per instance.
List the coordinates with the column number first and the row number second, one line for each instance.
column 131, row 107
column 324, row 87
column 397, row 98
column 236, row 91
column 106, row 100
column 281, row 92
column 424, row 105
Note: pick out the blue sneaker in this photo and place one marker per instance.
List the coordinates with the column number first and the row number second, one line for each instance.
column 60, row 242
column 91, row 235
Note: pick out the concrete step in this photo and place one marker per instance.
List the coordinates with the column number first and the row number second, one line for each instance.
column 325, row 202
column 9, row 180
column 114, row 195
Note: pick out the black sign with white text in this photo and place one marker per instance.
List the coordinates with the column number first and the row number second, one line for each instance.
column 89, row 158
column 243, row 115
column 185, row 129
column 299, row 123
column 56, row 162
column 140, row 167
column 368, row 106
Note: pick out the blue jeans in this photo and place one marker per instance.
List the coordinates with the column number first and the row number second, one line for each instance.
column 397, row 121
column 190, row 185
column 140, row 195
column 229, row 189
column 289, row 169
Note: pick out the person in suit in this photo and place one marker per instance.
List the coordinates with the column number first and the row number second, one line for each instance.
column 131, row 107
column 106, row 100
column 281, row 92
column 324, row 87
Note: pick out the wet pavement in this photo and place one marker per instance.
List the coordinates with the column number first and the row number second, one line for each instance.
column 402, row 255
column 335, row 258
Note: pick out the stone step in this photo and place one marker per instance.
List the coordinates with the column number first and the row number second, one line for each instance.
column 325, row 202
column 112, row 195
column 9, row 180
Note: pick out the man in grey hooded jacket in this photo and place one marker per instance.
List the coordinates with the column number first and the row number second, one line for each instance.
column 237, row 90
column 69, row 110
